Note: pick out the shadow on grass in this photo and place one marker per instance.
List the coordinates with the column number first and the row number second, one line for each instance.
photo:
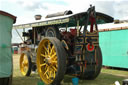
column 23, row 80
column 102, row 79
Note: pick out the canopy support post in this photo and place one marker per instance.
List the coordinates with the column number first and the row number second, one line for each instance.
column 19, row 35
column 77, row 27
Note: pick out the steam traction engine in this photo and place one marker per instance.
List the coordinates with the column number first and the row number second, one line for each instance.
column 64, row 45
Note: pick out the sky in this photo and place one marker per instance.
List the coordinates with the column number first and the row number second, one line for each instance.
column 26, row 9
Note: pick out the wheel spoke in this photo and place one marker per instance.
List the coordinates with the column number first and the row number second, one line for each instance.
column 53, row 55
column 54, row 58
column 23, row 59
column 25, row 69
column 49, row 47
column 50, row 74
column 44, row 55
column 26, row 64
column 46, row 70
column 45, row 48
column 54, row 62
column 46, row 67
column 23, row 65
column 52, row 49
column 54, row 68
column 54, row 74
column 47, row 76
column 47, row 73
column 42, row 64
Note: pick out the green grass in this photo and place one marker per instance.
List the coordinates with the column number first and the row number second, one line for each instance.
column 19, row 79
column 102, row 79
column 107, row 77
column 115, row 72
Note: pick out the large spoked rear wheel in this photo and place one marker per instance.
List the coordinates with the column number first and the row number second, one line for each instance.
column 25, row 64
column 97, row 68
column 51, row 60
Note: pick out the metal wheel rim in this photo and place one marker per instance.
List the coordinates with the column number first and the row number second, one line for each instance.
column 47, row 63
column 24, row 64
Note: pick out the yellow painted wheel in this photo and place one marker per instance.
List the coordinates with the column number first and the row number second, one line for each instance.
column 51, row 60
column 25, row 64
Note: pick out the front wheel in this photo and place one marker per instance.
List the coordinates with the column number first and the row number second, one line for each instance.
column 51, row 60
column 25, row 64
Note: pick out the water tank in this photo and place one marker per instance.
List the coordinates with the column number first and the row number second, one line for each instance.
column 6, row 64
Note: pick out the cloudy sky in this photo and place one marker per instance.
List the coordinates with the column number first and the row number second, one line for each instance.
column 26, row 9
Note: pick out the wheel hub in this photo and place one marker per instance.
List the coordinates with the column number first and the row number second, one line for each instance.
column 24, row 64
column 48, row 61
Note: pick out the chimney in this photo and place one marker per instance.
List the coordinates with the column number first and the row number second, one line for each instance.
column 38, row 17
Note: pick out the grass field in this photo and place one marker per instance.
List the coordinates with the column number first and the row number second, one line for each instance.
column 107, row 77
